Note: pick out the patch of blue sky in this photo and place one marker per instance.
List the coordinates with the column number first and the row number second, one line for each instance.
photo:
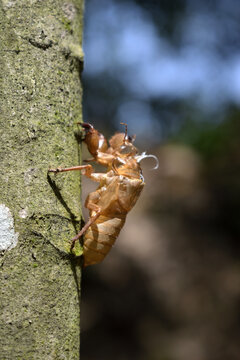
column 121, row 39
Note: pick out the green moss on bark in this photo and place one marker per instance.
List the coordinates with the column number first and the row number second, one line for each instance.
column 40, row 103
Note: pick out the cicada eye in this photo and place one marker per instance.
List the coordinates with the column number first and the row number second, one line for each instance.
column 124, row 149
column 128, row 149
column 131, row 138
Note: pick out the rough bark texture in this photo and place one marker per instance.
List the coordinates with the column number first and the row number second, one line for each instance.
column 40, row 100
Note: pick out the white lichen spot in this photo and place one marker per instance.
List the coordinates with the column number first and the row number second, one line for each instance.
column 23, row 214
column 69, row 10
column 8, row 4
column 29, row 175
column 8, row 237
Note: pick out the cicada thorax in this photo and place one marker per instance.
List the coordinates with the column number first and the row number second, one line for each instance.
column 116, row 142
column 127, row 166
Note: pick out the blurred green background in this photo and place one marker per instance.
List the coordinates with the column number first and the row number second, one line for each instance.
column 170, row 288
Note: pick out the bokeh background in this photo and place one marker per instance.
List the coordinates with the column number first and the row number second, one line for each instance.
column 170, row 288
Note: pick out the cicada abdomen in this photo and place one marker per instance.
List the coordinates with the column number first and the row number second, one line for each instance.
column 100, row 237
column 114, row 198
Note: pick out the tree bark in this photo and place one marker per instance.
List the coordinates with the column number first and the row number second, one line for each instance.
column 40, row 101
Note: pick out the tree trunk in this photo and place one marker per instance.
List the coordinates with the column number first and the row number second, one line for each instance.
column 40, row 101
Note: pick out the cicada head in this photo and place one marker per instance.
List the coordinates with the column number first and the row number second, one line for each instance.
column 122, row 144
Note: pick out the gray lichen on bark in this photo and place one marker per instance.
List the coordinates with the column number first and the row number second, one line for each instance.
column 40, row 101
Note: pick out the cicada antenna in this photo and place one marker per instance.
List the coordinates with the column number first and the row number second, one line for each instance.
column 126, row 131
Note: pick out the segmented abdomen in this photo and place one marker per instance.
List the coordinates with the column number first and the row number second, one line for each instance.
column 100, row 237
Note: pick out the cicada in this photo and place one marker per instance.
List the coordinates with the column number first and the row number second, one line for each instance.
column 119, row 189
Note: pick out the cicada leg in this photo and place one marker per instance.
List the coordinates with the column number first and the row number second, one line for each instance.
column 87, row 225
column 88, row 169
